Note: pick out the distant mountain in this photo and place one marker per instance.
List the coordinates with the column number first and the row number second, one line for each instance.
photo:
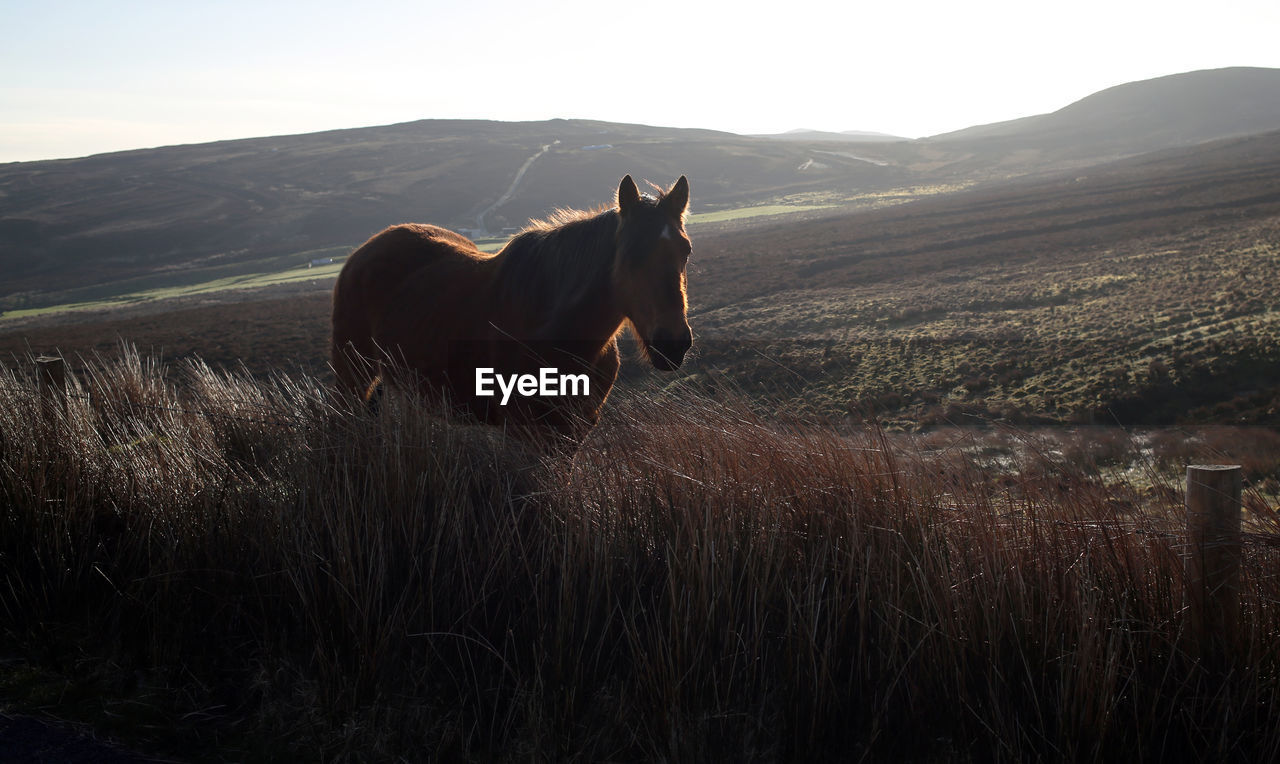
column 247, row 203
column 1177, row 110
column 1070, row 282
column 850, row 136
column 1035, row 298
column 1232, row 182
column 214, row 210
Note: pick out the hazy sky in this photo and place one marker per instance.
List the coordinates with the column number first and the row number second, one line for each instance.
column 84, row 77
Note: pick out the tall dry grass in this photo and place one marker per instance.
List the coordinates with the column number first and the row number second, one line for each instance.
column 254, row 571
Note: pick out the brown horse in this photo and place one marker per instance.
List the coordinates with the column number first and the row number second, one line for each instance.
column 488, row 331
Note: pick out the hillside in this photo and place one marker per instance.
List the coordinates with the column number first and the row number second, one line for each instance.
column 113, row 224
column 197, row 212
column 853, row 136
column 1136, row 117
column 1141, row 291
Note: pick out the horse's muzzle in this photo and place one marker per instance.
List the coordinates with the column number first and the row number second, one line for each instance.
column 667, row 349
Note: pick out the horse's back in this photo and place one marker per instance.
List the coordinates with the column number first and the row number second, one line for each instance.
column 396, row 252
column 371, row 287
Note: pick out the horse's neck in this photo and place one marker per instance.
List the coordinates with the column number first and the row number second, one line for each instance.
column 586, row 329
column 582, row 321
column 584, row 326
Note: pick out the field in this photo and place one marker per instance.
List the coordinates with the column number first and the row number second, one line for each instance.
column 319, row 273
column 1137, row 294
column 1140, row 293
column 114, row 295
column 186, row 215
column 916, row 494
column 74, row 231
column 218, row 568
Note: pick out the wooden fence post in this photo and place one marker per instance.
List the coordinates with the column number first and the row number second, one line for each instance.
column 1213, row 559
column 52, row 372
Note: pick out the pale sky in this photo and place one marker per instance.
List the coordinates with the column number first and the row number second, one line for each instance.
column 79, row 78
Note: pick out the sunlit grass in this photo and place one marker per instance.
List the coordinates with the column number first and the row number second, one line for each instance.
column 740, row 213
column 323, row 272
column 212, row 561
column 246, row 281
column 1127, row 336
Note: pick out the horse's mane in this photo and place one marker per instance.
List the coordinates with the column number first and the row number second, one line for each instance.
column 556, row 263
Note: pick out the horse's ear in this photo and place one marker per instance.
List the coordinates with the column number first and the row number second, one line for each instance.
column 628, row 194
column 676, row 201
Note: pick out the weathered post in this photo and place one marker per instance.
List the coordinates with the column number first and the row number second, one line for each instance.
column 1213, row 559
column 52, row 373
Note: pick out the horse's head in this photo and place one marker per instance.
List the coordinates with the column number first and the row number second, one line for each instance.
column 648, row 270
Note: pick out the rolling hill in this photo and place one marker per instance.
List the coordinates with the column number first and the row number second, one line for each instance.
column 1139, row 117
column 1140, row 292
column 853, row 136
column 196, row 210
column 1139, row 289
column 117, row 223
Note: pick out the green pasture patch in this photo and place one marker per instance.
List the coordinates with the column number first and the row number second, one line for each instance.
column 738, row 213
column 245, row 281
column 492, row 244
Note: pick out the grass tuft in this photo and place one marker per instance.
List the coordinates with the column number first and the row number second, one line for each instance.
column 225, row 568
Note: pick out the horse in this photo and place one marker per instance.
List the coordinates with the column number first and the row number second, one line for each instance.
column 422, row 304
